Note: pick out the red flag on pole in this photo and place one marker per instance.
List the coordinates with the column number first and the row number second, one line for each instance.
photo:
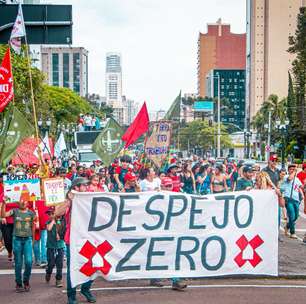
column 139, row 126
column 6, row 81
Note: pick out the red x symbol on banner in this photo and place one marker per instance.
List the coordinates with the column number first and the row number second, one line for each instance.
column 88, row 251
column 242, row 243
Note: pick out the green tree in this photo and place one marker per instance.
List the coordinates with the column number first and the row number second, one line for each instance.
column 199, row 133
column 278, row 112
column 298, row 48
column 62, row 105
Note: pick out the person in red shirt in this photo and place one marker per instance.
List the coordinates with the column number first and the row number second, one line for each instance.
column 172, row 173
column 302, row 175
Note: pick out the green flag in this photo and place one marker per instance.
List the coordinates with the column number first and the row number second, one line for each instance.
column 108, row 144
column 174, row 113
column 14, row 128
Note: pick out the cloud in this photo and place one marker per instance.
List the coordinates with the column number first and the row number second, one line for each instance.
column 157, row 40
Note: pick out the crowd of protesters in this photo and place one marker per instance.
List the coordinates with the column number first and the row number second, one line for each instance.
column 24, row 224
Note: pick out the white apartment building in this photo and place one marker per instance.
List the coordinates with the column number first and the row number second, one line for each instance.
column 66, row 67
column 113, row 83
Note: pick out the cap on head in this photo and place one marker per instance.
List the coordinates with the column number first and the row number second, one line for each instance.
column 79, row 181
column 50, row 210
column 304, row 166
column 247, row 169
column 273, row 157
column 131, row 177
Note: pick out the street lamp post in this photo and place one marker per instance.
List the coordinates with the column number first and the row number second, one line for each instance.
column 282, row 127
column 68, row 130
column 247, row 134
column 44, row 128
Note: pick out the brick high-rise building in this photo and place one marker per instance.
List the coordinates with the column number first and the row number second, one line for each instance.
column 219, row 49
column 269, row 24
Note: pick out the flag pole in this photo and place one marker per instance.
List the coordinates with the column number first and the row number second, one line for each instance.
column 41, row 162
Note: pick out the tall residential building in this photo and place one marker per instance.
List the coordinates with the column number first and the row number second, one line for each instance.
column 130, row 110
column 232, row 88
column 269, row 24
column 66, row 67
column 113, row 84
column 219, row 49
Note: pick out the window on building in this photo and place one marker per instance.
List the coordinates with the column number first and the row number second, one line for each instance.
column 55, row 70
column 66, row 70
column 76, row 72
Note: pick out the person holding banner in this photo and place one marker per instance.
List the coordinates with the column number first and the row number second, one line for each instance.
column 245, row 182
column 149, row 182
column 176, row 181
column 23, row 238
column 130, row 183
column 78, row 184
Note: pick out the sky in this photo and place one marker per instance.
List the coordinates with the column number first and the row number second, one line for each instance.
column 157, row 40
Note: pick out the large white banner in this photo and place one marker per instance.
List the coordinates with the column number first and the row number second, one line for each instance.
column 167, row 235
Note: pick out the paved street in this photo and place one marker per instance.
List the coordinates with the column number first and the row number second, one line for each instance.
column 289, row 288
column 199, row 291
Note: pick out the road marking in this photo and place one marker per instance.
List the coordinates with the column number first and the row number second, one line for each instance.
column 34, row 271
column 282, row 229
column 192, row 286
column 300, row 230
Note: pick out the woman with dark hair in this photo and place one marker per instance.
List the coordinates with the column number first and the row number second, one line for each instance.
column 94, row 185
column 203, row 180
column 218, row 181
column 188, row 180
column 149, row 181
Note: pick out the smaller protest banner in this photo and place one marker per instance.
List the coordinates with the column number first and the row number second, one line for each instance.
column 157, row 145
column 16, row 189
column 53, row 191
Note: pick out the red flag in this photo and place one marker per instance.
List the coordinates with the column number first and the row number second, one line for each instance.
column 6, row 81
column 139, row 126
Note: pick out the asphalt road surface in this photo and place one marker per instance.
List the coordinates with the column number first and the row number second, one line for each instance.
column 229, row 291
column 292, row 259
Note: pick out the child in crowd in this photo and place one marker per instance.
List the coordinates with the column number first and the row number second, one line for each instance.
column 55, row 246
column 23, row 238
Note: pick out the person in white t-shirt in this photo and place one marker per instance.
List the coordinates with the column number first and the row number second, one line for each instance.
column 149, row 182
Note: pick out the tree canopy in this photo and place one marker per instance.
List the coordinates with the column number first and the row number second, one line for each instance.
column 199, row 133
column 61, row 105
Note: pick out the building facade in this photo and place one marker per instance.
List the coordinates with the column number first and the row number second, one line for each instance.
column 66, row 67
column 269, row 24
column 232, row 88
column 113, row 76
column 219, row 49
